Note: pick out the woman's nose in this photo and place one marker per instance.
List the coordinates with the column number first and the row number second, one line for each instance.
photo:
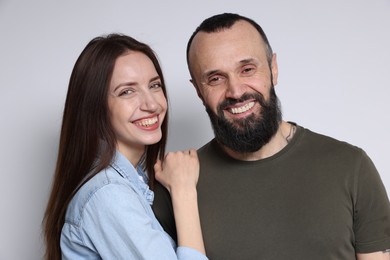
column 148, row 101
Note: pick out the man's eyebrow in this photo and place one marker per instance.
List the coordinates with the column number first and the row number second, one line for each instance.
column 211, row 72
column 242, row 62
column 249, row 60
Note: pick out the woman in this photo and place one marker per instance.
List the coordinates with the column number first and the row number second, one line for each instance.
column 111, row 148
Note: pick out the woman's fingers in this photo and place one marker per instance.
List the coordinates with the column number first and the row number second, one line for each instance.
column 179, row 170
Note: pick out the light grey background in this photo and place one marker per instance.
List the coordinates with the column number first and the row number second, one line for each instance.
column 333, row 64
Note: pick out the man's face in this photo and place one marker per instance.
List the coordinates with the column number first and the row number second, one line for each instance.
column 235, row 82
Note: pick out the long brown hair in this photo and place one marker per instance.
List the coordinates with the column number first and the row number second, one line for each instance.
column 86, row 126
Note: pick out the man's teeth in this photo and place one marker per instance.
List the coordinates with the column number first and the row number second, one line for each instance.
column 242, row 109
column 147, row 122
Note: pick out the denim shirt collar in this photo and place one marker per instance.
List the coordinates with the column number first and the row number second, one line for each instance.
column 136, row 176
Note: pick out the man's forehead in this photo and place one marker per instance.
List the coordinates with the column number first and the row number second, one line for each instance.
column 241, row 32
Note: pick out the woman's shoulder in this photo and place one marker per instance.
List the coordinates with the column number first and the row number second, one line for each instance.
column 106, row 181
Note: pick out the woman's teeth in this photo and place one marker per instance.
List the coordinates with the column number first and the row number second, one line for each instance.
column 147, row 122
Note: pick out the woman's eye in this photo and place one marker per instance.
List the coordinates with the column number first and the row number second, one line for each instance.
column 125, row 92
column 156, row 85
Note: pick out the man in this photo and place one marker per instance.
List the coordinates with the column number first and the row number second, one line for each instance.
column 271, row 189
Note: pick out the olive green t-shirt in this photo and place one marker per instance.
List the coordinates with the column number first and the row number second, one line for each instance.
column 318, row 198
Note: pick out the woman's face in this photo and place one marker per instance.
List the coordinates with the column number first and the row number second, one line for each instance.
column 137, row 104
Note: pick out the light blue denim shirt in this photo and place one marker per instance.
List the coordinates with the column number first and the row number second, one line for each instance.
column 110, row 217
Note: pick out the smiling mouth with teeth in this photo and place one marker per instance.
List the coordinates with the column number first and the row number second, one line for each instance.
column 238, row 110
column 147, row 122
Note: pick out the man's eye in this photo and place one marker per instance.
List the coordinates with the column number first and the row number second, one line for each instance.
column 215, row 80
column 248, row 70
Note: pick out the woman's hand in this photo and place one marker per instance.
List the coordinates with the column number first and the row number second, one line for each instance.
column 180, row 170
column 179, row 174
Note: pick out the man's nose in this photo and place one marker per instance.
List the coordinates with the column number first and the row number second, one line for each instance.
column 235, row 87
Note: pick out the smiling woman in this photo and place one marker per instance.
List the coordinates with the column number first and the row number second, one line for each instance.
column 112, row 147
column 137, row 104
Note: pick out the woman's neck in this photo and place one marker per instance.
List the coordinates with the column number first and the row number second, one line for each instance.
column 133, row 154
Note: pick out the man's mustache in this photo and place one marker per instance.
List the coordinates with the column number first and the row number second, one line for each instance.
column 232, row 101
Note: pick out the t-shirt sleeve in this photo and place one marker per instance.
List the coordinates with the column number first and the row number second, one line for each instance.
column 163, row 209
column 372, row 209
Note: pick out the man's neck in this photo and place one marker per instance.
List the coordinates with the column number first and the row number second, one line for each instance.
column 281, row 138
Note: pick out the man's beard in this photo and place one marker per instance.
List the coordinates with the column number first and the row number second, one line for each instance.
column 251, row 133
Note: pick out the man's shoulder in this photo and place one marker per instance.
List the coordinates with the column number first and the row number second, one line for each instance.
column 207, row 147
column 210, row 151
column 324, row 141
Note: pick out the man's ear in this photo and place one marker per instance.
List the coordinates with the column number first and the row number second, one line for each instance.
column 197, row 89
column 274, row 70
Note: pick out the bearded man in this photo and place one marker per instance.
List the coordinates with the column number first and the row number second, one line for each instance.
column 268, row 188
